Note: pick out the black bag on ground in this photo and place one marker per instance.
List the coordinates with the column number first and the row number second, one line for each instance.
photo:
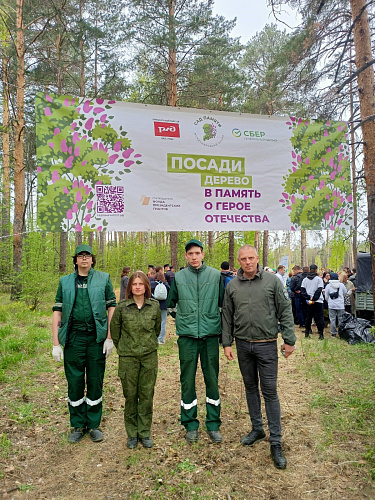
column 355, row 330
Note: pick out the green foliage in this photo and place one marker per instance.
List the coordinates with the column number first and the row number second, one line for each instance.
column 317, row 189
column 76, row 146
column 338, row 245
column 346, row 402
column 22, row 337
column 5, row 446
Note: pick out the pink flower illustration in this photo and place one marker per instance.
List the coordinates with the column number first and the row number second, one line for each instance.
column 78, row 196
column 78, row 228
column 47, row 111
column 69, row 214
column 75, row 208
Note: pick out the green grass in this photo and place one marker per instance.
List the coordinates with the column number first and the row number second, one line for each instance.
column 23, row 333
column 343, row 376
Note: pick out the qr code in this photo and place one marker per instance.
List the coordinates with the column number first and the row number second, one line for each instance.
column 109, row 199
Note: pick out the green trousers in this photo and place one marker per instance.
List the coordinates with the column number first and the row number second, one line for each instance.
column 138, row 377
column 207, row 349
column 84, row 364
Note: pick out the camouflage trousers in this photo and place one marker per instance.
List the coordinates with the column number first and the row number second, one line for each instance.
column 138, row 377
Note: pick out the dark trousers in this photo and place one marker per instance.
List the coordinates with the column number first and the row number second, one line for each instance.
column 138, row 378
column 299, row 311
column 189, row 350
column 84, row 364
column 315, row 311
column 258, row 363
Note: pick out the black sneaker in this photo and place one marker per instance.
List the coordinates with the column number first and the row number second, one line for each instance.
column 215, row 436
column 132, row 443
column 146, row 442
column 278, row 456
column 192, row 436
column 76, row 435
column 96, row 435
column 253, row 437
column 321, row 336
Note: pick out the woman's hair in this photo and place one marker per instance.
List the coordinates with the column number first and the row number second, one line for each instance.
column 342, row 275
column 125, row 271
column 159, row 277
column 141, row 275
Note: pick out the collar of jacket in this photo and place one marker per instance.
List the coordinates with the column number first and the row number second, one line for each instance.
column 258, row 274
column 89, row 274
column 199, row 270
column 131, row 301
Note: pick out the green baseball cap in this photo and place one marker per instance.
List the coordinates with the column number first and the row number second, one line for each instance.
column 193, row 243
column 83, row 248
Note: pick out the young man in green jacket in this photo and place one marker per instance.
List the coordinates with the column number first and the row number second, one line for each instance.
column 197, row 291
column 80, row 324
column 253, row 304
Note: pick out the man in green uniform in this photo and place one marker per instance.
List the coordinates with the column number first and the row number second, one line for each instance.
column 80, row 324
column 198, row 291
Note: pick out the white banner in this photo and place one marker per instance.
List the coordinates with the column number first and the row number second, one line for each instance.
column 106, row 165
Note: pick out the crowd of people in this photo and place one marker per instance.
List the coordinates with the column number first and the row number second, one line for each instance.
column 250, row 307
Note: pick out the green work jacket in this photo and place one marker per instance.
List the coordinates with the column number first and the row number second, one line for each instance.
column 198, row 295
column 253, row 307
column 135, row 331
column 101, row 297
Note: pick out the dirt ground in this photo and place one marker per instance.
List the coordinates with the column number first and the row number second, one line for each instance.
column 49, row 468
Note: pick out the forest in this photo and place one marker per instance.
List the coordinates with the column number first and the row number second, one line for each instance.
column 179, row 53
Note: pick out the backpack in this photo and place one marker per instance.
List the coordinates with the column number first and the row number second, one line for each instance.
column 228, row 279
column 160, row 292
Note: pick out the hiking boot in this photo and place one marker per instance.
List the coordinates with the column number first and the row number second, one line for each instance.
column 76, row 435
column 132, row 443
column 253, row 437
column 215, row 436
column 146, row 442
column 96, row 435
column 278, row 456
column 192, row 436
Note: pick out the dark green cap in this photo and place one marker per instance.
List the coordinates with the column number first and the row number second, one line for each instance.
column 193, row 243
column 83, row 248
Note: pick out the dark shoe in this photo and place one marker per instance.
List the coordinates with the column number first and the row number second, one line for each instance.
column 302, row 326
column 215, row 436
column 307, row 335
column 278, row 456
column 132, row 443
column 96, row 435
column 253, row 437
column 146, row 442
column 76, row 435
column 321, row 336
column 192, row 436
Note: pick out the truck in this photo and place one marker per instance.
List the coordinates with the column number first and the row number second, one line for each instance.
column 364, row 301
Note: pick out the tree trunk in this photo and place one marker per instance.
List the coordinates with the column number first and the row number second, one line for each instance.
column 102, row 239
column 265, row 248
column 174, row 248
column 256, row 241
column 5, row 209
column 82, row 53
column 366, row 91
column 19, row 171
column 354, row 181
column 210, row 242
column 172, row 101
column 303, row 248
column 231, row 249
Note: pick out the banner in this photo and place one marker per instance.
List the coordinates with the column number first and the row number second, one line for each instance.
column 107, row 165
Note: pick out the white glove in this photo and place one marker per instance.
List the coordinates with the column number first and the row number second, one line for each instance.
column 107, row 347
column 58, row 353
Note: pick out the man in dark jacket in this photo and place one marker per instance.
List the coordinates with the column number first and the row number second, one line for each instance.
column 225, row 273
column 311, row 292
column 80, row 324
column 253, row 304
column 198, row 291
column 295, row 287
